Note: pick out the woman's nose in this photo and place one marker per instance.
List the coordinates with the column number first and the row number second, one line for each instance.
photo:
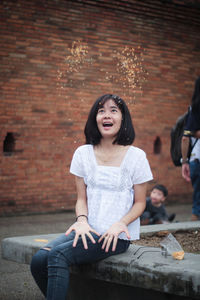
column 107, row 114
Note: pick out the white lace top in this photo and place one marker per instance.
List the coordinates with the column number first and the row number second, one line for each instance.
column 110, row 193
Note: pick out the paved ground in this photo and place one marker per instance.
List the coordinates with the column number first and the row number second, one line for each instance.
column 16, row 282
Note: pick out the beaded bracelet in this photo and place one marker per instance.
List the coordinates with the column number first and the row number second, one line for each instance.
column 81, row 216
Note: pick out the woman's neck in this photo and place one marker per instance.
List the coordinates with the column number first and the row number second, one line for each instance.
column 107, row 144
column 109, row 154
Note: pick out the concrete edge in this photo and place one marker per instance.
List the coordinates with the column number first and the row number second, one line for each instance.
column 172, row 227
column 142, row 267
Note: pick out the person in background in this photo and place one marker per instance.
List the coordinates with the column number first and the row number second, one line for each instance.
column 191, row 137
column 155, row 212
column 111, row 179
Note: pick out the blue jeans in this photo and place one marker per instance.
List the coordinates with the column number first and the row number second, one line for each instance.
column 195, row 178
column 50, row 269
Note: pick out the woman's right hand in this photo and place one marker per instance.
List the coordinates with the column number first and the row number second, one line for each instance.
column 82, row 229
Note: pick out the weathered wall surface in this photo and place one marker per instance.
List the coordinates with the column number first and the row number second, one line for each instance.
column 47, row 90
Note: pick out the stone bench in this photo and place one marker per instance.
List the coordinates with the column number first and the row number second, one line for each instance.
column 139, row 273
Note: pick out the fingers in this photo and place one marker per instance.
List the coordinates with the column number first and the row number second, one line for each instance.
column 94, row 231
column 91, row 238
column 186, row 172
column 101, row 238
column 84, row 241
column 114, row 243
column 75, row 240
column 68, row 231
column 127, row 233
column 111, row 236
column 107, row 242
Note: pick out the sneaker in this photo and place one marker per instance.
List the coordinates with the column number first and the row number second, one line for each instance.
column 171, row 217
column 195, row 217
column 144, row 221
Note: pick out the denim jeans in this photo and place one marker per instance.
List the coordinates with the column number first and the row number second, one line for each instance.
column 50, row 269
column 195, row 178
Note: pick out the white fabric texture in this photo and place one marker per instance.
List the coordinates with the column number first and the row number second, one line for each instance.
column 110, row 193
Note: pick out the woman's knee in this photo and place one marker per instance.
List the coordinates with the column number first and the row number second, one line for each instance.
column 54, row 254
column 39, row 261
column 61, row 256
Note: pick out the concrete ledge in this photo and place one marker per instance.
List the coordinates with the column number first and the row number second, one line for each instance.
column 172, row 227
column 22, row 248
column 141, row 267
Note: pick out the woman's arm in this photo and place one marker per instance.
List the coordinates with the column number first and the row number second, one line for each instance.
column 81, row 203
column 184, row 150
column 197, row 134
column 81, row 226
column 111, row 235
column 139, row 205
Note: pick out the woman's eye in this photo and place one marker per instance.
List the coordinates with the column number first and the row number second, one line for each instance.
column 100, row 111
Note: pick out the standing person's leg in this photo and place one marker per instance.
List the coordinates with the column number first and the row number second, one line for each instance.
column 39, row 262
column 195, row 178
column 63, row 256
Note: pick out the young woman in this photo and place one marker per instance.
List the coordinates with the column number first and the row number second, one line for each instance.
column 111, row 179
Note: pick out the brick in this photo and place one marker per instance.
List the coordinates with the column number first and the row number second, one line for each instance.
column 47, row 115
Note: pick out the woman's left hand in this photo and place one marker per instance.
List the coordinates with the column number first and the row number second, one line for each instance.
column 111, row 235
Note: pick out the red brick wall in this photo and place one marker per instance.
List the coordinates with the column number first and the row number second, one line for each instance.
column 44, row 103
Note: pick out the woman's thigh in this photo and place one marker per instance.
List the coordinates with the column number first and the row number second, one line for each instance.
column 80, row 255
column 61, row 239
column 95, row 252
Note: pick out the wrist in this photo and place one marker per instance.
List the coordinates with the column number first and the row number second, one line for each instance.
column 184, row 161
column 122, row 222
column 81, row 218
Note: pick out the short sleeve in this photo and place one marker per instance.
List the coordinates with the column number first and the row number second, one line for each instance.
column 141, row 170
column 77, row 166
column 192, row 124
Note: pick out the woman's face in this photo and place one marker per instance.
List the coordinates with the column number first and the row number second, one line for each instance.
column 109, row 119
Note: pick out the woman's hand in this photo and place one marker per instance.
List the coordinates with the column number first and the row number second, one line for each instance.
column 82, row 229
column 111, row 235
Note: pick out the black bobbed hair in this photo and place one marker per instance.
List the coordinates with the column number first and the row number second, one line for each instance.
column 125, row 135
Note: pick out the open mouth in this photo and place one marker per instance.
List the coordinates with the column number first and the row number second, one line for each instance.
column 107, row 124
